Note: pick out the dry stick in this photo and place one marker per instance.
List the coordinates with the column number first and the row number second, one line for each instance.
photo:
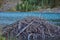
column 13, row 31
column 29, row 36
column 42, row 31
column 43, row 35
column 24, row 29
column 19, row 27
column 49, row 32
column 35, row 37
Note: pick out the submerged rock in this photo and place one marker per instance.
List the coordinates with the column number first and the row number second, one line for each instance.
column 32, row 28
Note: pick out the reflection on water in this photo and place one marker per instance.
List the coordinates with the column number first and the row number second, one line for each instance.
column 10, row 17
column 55, row 21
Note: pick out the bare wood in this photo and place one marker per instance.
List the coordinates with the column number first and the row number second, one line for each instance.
column 24, row 28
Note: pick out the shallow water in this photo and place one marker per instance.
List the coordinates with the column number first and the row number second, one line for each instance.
column 7, row 18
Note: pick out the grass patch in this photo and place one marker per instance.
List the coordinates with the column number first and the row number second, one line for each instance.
column 2, row 38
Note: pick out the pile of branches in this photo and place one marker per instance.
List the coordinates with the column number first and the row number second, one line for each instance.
column 34, row 28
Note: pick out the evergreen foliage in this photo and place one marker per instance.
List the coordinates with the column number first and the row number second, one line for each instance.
column 29, row 5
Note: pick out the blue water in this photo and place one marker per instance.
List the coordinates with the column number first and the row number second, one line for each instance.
column 10, row 17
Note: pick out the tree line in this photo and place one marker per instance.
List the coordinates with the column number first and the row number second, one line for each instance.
column 30, row 5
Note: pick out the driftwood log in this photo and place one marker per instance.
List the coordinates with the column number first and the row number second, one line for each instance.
column 32, row 28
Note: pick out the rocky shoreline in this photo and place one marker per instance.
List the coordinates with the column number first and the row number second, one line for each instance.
column 53, row 10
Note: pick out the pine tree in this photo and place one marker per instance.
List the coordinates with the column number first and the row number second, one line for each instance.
column 17, row 7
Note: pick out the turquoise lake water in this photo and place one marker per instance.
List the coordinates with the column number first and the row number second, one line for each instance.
column 7, row 18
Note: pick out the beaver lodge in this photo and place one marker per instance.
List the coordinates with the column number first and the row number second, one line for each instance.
column 32, row 28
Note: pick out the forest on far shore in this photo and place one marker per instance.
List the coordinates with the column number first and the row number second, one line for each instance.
column 33, row 5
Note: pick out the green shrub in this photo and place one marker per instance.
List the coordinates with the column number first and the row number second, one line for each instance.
column 2, row 38
column 26, row 7
column 32, row 2
column 31, row 5
column 17, row 7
